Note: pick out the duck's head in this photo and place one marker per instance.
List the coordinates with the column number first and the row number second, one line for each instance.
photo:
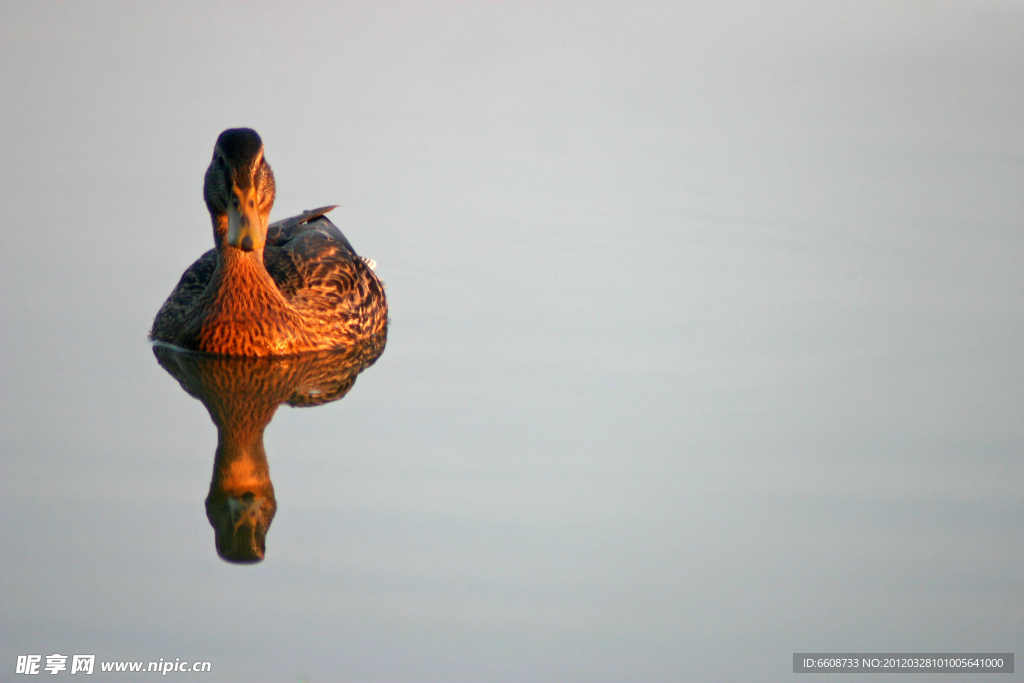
column 239, row 191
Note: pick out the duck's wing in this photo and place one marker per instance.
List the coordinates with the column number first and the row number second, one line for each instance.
column 192, row 284
column 283, row 231
column 295, row 247
column 320, row 273
column 309, row 251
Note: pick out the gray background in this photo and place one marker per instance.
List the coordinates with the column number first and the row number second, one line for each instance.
column 706, row 338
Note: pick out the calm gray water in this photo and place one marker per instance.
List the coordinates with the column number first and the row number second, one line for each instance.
column 706, row 341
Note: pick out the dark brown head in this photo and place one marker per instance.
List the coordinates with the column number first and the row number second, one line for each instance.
column 239, row 190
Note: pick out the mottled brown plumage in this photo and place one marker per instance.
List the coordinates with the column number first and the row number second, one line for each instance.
column 265, row 290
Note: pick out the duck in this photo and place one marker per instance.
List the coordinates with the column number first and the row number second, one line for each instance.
column 291, row 287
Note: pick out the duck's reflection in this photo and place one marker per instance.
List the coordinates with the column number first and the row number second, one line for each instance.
column 242, row 395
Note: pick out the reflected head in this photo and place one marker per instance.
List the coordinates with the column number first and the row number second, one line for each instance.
column 240, row 524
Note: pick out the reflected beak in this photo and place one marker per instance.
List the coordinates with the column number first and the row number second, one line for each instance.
column 245, row 227
column 245, row 512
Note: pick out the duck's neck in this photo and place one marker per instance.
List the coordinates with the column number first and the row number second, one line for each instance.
column 240, row 465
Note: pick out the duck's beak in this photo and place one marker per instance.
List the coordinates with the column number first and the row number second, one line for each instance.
column 245, row 227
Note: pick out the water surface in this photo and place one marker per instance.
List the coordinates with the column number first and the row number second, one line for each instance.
column 705, row 343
